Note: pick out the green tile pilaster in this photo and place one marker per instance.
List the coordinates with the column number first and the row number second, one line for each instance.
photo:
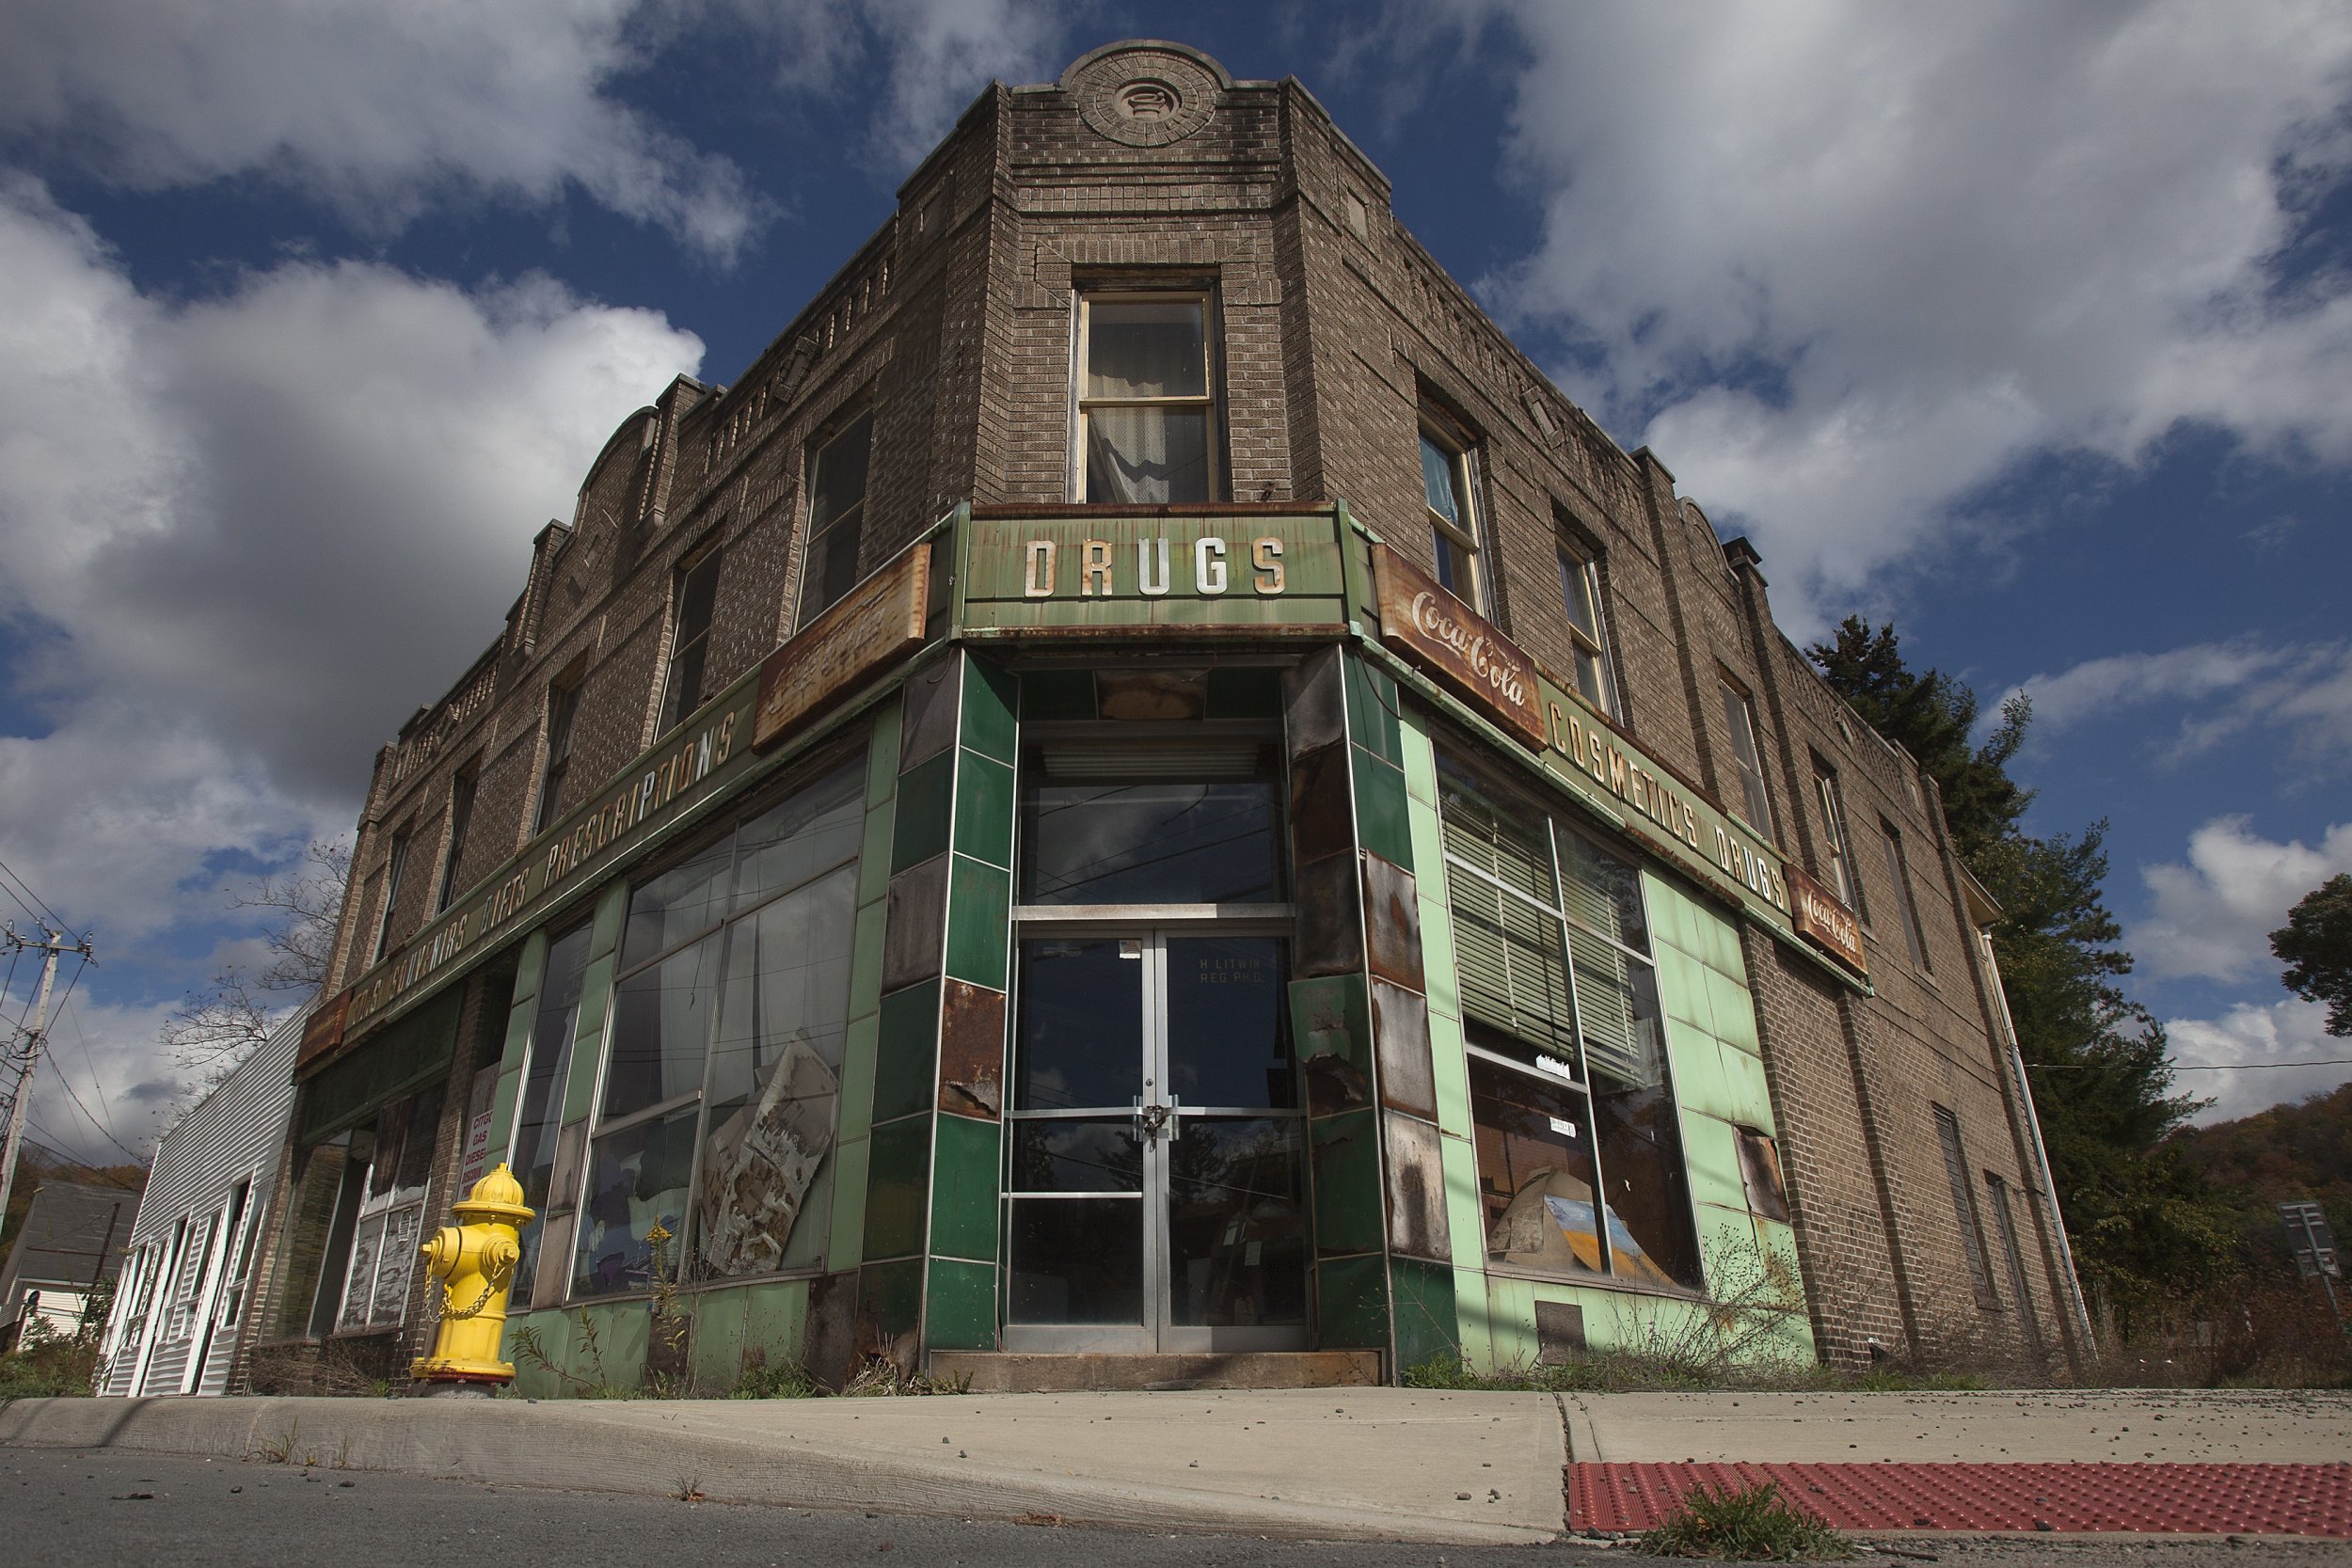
column 926, row 799
column 1427, row 1322
column 979, row 913
column 1353, row 1298
column 964, row 1165
column 1381, row 823
column 1348, row 1199
column 890, row 1296
column 897, row 1187
column 992, row 697
column 959, row 1305
column 983, row 827
column 906, row 1051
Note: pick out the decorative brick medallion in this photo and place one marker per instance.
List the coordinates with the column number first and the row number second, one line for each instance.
column 1144, row 95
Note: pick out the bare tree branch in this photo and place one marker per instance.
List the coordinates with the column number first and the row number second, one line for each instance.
column 223, row 1020
column 307, row 901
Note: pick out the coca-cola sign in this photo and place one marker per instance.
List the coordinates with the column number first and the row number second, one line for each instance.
column 1453, row 641
column 1826, row 922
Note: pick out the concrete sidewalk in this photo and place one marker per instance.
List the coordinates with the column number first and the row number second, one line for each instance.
column 1352, row 1464
column 2016, row 1426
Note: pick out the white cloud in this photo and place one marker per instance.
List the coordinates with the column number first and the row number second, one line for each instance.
column 2213, row 917
column 1947, row 237
column 934, row 56
column 2301, row 690
column 376, row 107
column 240, row 539
column 2290, row 1031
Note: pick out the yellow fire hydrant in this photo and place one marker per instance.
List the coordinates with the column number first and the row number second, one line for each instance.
column 475, row 1261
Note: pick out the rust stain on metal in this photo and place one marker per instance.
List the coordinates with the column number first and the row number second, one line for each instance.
column 1400, row 1033
column 1320, row 823
column 321, row 1032
column 1417, row 1218
column 972, row 1052
column 1392, row 922
column 879, row 621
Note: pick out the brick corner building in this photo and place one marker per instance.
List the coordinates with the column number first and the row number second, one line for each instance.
column 1142, row 798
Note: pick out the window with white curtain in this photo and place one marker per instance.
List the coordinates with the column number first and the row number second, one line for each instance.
column 1146, row 426
column 721, row 1079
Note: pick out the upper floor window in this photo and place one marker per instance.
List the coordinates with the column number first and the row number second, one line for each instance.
column 461, row 793
column 837, row 515
column 1579, row 588
column 1906, row 911
column 1838, row 860
column 1146, row 427
column 563, row 709
column 696, row 595
column 1740, row 716
column 396, row 870
column 1446, row 480
column 1964, row 1209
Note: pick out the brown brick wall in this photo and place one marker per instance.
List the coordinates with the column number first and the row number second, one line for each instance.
column 954, row 322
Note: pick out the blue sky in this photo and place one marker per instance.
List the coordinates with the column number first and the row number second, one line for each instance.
column 2028, row 328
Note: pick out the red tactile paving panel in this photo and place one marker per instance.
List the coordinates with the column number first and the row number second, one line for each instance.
column 2182, row 1499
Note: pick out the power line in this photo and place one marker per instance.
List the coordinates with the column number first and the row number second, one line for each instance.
column 8, row 877
column 74, row 1094
column 89, row 1064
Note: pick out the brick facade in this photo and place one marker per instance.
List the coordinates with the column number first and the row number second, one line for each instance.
column 1336, row 334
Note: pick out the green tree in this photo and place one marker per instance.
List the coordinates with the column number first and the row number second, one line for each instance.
column 2315, row 944
column 2138, row 1220
column 1930, row 714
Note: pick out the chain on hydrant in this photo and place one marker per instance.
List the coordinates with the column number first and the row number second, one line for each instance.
column 475, row 1260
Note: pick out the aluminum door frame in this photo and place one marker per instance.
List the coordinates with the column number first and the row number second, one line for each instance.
column 1154, row 1333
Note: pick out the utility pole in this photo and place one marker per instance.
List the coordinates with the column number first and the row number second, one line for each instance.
column 51, row 944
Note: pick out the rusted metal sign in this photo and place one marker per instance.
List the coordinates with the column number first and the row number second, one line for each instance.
column 1826, row 922
column 875, row 623
column 1216, row 571
column 1461, row 647
column 321, row 1032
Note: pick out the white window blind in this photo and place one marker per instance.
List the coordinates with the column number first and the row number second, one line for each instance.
column 1510, row 958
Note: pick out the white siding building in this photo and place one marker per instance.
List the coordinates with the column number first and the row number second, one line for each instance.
column 180, row 1310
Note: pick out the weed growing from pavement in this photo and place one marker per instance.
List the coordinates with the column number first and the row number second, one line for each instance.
column 779, row 1379
column 1753, row 1524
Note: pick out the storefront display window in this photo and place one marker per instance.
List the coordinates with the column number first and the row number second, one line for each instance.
column 545, row 1073
column 721, row 1080
column 1580, row 1159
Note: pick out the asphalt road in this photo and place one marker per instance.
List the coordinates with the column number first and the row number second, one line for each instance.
column 66, row 1509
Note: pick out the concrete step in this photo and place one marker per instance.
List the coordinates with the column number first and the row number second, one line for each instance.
column 1005, row 1372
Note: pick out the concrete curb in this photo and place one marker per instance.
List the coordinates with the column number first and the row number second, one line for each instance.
column 644, row 1451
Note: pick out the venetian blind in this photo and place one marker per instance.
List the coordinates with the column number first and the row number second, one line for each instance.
column 1509, row 958
column 1616, row 1040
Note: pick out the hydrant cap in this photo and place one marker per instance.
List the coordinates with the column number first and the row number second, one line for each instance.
column 496, row 1197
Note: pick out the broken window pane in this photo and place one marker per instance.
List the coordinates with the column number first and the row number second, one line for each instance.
column 784, row 1011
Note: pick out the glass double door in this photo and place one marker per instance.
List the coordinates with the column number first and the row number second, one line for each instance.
column 1156, row 1190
